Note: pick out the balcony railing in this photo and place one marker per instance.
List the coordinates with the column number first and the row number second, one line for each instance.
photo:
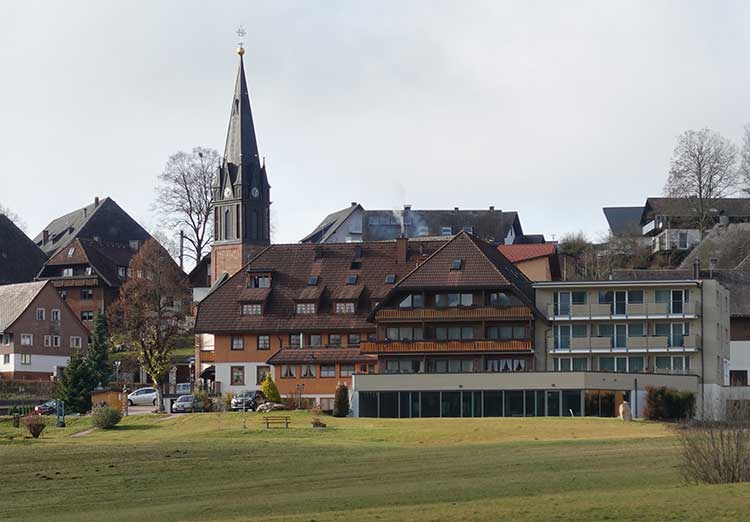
column 631, row 310
column 444, row 346
column 634, row 344
column 472, row 313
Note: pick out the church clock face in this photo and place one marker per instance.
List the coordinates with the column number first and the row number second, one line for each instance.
column 227, row 192
column 255, row 192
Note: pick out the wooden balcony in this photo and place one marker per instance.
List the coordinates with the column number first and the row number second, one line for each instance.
column 207, row 356
column 444, row 346
column 469, row 313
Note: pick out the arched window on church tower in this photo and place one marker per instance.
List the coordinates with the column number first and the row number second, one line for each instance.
column 227, row 224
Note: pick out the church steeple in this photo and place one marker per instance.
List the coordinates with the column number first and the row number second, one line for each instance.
column 242, row 196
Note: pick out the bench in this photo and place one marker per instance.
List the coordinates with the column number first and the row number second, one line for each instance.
column 277, row 421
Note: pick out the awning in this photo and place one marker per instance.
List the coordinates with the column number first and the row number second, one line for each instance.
column 209, row 373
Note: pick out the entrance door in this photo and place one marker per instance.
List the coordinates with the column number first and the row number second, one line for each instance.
column 553, row 403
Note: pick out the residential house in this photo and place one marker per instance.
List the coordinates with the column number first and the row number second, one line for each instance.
column 537, row 261
column 355, row 224
column 20, row 258
column 300, row 311
column 38, row 332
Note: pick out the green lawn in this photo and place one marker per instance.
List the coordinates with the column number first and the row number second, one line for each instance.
column 206, row 467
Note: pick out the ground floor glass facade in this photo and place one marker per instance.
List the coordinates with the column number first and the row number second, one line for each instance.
column 485, row 403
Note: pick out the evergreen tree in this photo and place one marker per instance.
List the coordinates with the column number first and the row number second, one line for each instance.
column 75, row 385
column 98, row 352
column 341, row 401
column 269, row 389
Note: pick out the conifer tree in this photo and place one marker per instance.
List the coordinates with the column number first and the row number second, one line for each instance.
column 341, row 401
column 75, row 385
column 269, row 389
column 98, row 352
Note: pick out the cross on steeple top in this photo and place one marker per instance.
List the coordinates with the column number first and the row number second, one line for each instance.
column 241, row 35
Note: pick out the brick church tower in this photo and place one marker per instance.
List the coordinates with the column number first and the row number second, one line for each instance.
column 242, row 195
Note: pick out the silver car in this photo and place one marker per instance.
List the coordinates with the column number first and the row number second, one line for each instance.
column 143, row 397
column 187, row 404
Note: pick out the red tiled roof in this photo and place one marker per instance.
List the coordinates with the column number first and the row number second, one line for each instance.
column 319, row 356
column 517, row 253
column 254, row 295
column 292, row 265
column 347, row 292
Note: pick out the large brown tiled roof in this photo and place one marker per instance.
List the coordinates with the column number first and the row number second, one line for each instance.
column 103, row 256
column 292, row 265
column 319, row 356
column 521, row 252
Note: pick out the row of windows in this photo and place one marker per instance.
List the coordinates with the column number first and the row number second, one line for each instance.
column 237, row 375
column 632, row 364
column 453, row 300
column 619, row 299
column 52, row 341
column 41, row 314
column 618, row 333
column 25, row 358
column 454, row 365
column 456, row 333
column 295, row 341
column 311, row 371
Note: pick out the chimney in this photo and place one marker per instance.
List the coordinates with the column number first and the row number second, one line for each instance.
column 318, row 252
column 407, row 208
column 96, row 201
column 696, row 269
column 45, row 236
column 492, row 207
column 354, row 203
column 455, row 209
column 402, row 248
column 85, row 212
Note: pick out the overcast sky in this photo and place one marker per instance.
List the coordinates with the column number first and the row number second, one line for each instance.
column 554, row 109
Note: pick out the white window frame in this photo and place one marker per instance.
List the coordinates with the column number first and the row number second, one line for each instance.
column 344, row 307
column 56, row 341
column 305, row 308
column 75, row 341
column 252, row 309
column 325, row 374
column 47, row 341
column 55, row 315
column 41, row 314
column 29, row 338
column 25, row 359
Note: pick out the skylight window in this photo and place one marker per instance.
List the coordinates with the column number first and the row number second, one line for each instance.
column 456, row 264
column 390, row 279
column 312, row 280
column 351, row 279
column 71, row 252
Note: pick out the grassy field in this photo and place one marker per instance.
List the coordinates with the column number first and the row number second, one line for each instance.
column 206, row 467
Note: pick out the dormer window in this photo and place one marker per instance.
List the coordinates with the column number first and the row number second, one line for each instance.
column 260, row 281
column 344, row 308
column 351, row 279
column 305, row 308
column 468, row 229
column 453, row 300
column 71, row 252
column 252, row 309
column 412, row 301
column 456, row 264
column 390, row 279
column 89, row 271
column 499, row 299
column 67, row 272
column 446, row 231
column 134, row 244
column 122, row 271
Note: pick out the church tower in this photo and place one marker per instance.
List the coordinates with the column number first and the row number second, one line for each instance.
column 242, row 195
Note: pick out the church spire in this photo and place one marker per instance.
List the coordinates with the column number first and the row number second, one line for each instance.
column 241, row 148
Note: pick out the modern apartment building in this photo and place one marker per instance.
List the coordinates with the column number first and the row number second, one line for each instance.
column 592, row 345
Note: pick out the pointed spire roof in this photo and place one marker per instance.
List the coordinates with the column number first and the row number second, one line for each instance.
column 241, row 148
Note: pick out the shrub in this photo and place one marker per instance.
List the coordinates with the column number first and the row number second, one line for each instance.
column 105, row 417
column 206, row 401
column 663, row 403
column 34, row 424
column 269, row 389
column 228, row 396
column 716, row 452
column 341, row 401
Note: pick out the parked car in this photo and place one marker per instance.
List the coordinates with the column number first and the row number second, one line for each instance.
column 48, row 408
column 246, row 400
column 142, row 397
column 187, row 404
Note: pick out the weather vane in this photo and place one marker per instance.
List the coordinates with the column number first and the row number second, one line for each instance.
column 241, row 35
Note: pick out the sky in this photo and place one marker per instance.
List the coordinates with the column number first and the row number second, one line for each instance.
column 552, row 109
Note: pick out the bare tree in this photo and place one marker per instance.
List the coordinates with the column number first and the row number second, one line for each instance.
column 702, row 171
column 745, row 160
column 150, row 316
column 14, row 217
column 185, row 194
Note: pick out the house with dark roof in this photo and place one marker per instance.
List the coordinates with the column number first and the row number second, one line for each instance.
column 673, row 223
column 355, row 224
column 103, row 219
column 20, row 258
column 88, row 274
column 38, row 332
column 300, row 311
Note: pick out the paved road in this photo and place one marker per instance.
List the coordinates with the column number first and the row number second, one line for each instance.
column 140, row 410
